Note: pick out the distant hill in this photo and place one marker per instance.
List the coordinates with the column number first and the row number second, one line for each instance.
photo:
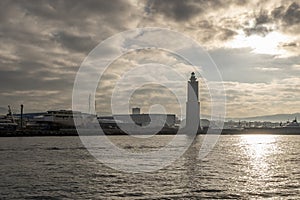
column 272, row 118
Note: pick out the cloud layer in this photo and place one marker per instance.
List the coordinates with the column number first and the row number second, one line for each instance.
column 44, row 43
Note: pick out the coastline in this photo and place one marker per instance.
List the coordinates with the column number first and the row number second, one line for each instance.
column 111, row 132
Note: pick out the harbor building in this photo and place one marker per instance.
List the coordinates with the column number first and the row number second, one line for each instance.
column 140, row 119
column 136, row 111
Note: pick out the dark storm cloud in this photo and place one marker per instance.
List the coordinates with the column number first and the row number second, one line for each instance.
column 44, row 43
column 226, row 34
column 73, row 42
column 278, row 12
column 180, row 10
column 258, row 30
column 291, row 44
column 259, row 25
column 262, row 18
column 286, row 17
column 177, row 9
column 289, row 15
column 193, row 15
column 212, row 32
column 75, row 10
column 72, row 15
column 17, row 80
column 292, row 14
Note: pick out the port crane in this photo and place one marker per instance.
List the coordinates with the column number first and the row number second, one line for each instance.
column 11, row 114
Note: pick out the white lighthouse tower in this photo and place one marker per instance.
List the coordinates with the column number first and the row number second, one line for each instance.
column 192, row 105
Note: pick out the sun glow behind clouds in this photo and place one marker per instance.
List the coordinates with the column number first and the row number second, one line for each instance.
column 269, row 44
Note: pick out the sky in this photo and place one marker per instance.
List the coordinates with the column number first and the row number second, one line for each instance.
column 255, row 45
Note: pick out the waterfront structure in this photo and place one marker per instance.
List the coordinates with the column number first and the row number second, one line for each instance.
column 7, row 122
column 145, row 119
column 192, row 105
column 57, row 119
column 136, row 111
column 139, row 119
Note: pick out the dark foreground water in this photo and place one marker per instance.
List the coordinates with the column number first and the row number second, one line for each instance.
column 261, row 166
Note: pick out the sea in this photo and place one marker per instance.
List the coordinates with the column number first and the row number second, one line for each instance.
column 237, row 167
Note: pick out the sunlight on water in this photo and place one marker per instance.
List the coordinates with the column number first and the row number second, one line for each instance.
column 258, row 149
column 239, row 167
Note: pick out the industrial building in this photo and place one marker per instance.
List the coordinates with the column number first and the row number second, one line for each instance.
column 139, row 119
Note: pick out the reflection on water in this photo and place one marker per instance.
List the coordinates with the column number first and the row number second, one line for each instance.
column 238, row 167
column 258, row 149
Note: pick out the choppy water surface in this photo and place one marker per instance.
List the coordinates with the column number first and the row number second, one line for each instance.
column 261, row 166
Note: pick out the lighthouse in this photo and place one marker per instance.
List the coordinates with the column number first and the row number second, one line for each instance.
column 192, row 105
